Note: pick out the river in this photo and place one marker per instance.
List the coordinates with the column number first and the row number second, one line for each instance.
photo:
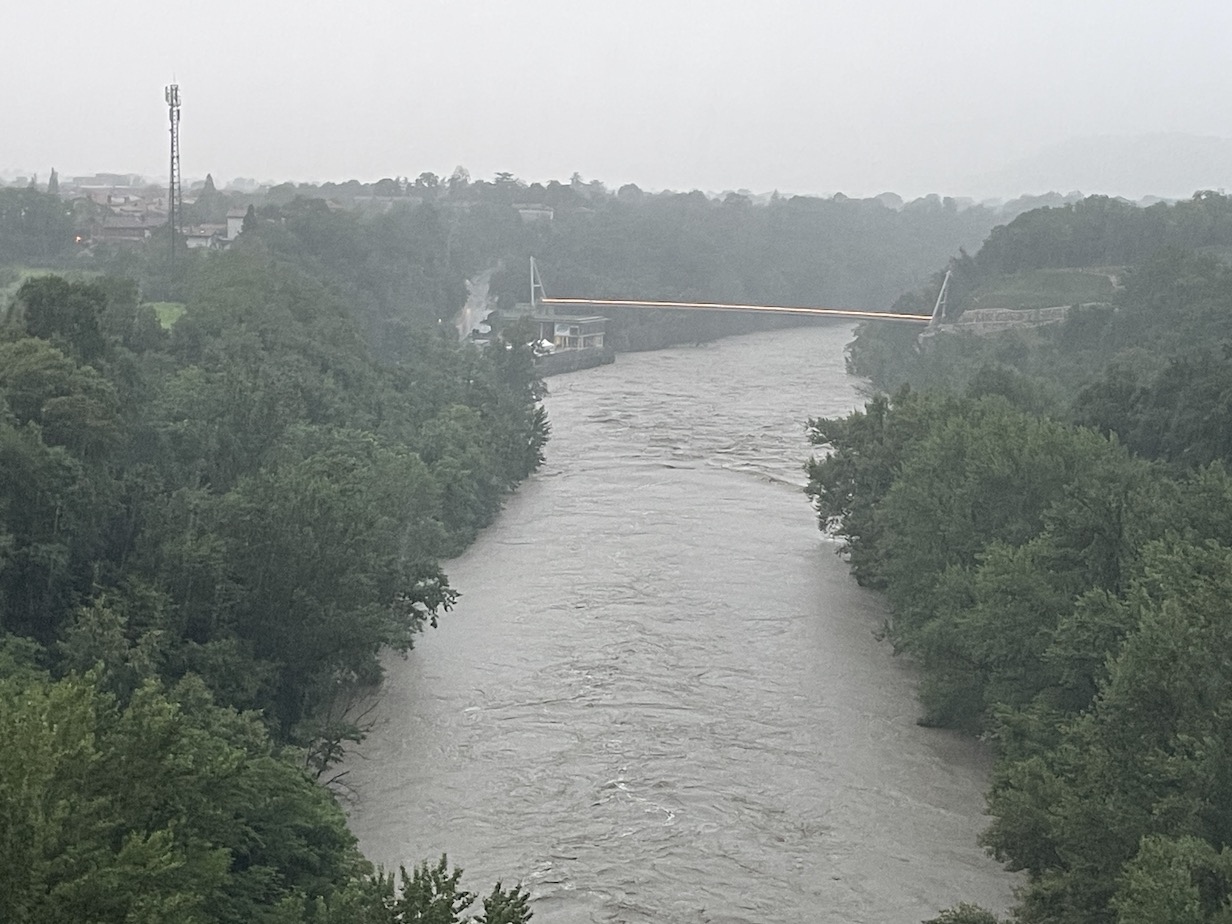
column 661, row 697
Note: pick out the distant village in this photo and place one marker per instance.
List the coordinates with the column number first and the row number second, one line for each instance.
column 127, row 208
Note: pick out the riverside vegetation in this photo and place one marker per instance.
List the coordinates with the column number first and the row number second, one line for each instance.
column 226, row 483
column 1049, row 513
column 208, row 535
column 212, row 525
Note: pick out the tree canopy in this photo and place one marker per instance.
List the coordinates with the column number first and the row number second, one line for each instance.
column 208, row 537
column 1048, row 515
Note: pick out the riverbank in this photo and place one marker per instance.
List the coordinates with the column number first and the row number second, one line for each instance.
column 660, row 697
column 573, row 360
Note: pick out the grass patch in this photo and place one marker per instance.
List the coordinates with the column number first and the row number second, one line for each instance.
column 1045, row 288
column 168, row 312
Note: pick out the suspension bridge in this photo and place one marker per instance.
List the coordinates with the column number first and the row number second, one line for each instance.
column 539, row 297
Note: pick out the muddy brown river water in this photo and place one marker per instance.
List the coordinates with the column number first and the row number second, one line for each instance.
column 661, row 697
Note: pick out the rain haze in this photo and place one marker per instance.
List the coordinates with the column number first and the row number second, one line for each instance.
column 962, row 98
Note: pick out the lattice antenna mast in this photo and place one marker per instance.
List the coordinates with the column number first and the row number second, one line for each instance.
column 942, row 299
column 175, row 195
column 537, row 294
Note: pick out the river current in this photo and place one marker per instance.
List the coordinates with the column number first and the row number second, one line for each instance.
column 661, row 697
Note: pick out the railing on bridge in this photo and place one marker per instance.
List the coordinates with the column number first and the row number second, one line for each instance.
column 539, row 297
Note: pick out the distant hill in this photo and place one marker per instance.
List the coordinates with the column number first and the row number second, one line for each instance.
column 1170, row 165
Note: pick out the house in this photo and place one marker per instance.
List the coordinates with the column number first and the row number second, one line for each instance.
column 235, row 223
column 204, row 237
column 576, row 333
column 564, row 332
column 121, row 229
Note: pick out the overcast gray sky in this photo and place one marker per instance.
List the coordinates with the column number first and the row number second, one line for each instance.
column 857, row 96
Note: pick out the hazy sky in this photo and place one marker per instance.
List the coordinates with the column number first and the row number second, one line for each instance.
column 913, row 96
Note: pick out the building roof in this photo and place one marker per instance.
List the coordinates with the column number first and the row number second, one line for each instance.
column 123, row 221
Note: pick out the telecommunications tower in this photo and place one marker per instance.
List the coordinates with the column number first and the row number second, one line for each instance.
column 175, row 198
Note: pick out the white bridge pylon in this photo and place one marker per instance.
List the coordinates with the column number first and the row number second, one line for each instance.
column 539, row 298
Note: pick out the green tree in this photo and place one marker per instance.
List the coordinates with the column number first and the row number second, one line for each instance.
column 166, row 807
column 52, row 509
column 1166, row 881
column 67, row 313
column 314, row 564
column 1151, row 757
column 73, row 405
column 430, row 895
column 863, row 453
column 34, row 227
column 506, row 906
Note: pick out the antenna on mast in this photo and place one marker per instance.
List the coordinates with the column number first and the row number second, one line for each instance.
column 175, row 196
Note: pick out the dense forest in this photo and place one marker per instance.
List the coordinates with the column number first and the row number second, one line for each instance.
column 209, row 533
column 228, row 480
column 1049, row 517
column 1054, row 256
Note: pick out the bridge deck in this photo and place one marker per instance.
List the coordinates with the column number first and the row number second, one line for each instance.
column 721, row 306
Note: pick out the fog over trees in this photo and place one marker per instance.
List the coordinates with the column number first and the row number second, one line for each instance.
column 1050, row 526
column 228, row 483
